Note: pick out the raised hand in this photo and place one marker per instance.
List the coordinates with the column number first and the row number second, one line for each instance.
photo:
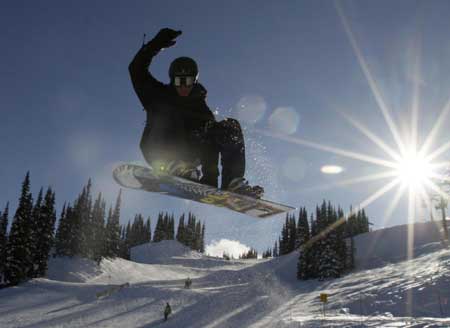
column 165, row 38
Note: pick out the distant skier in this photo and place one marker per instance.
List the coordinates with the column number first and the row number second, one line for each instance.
column 167, row 311
column 181, row 131
column 187, row 283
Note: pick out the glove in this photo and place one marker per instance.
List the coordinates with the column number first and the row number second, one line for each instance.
column 165, row 38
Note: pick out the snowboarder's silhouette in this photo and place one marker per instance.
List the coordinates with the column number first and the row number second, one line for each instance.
column 181, row 131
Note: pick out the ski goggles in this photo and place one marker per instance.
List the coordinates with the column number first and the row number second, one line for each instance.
column 187, row 81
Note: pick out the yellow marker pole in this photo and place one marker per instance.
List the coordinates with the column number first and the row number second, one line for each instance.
column 324, row 300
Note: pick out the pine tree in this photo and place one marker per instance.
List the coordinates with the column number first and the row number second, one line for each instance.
column 158, row 234
column 303, row 264
column 35, row 233
column 364, row 222
column 47, row 219
column 303, row 233
column 284, row 241
column 180, row 230
column 341, row 244
column 86, row 233
column 303, row 236
column 198, row 236
column 148, row 231
column 306, row 265
column 190, row 231
column 314, row 248
column 267, row 253
column 171, row 228
column 63, row 232
column 128, row 233
column 134, row 232
column 165, row 226
column 125, row 242
column 3, row 240
column 98, row 233
column 275, row 249
column 113, row 230
column 202, row 239
column 250, row 254
column 19, row 262
column 113, row 233
column 76, row 230
column 329, row 263
column 292, row 232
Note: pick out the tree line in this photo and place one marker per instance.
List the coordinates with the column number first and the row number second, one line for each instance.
column 325, row 240
column 190, row 233
column 24, row 251
column 85, row 228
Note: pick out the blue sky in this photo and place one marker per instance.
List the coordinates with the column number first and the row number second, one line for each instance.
column 69, row 111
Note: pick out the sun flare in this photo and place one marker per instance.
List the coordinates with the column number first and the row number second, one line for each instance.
column 411, row 165
column 414, row 170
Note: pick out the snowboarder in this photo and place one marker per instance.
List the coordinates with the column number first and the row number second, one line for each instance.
column 167, row 311
column 181, row 132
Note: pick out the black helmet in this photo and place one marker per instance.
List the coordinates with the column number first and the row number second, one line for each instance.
column 183, row 66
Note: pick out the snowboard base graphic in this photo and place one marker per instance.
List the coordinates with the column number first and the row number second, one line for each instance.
column 145, row 178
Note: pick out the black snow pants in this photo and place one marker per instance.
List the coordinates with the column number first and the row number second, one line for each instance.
column 229, row 140
column 224, row 138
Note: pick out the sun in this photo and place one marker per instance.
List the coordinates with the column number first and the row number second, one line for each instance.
column 414, row 170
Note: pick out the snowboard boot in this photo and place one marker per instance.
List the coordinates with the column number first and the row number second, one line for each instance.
column 241, row 186
column 183, row 170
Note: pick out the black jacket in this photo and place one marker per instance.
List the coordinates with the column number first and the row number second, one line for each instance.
column 173, row 122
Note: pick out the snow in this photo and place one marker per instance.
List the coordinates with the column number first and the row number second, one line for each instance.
column 391, row 245
column 394, row 292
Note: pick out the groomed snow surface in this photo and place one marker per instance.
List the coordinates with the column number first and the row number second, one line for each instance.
column 386, row 289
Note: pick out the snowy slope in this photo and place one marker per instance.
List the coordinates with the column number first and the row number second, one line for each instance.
column 256, row 293
column 391, row 245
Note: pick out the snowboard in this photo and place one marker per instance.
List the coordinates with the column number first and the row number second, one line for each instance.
column 145, row 178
